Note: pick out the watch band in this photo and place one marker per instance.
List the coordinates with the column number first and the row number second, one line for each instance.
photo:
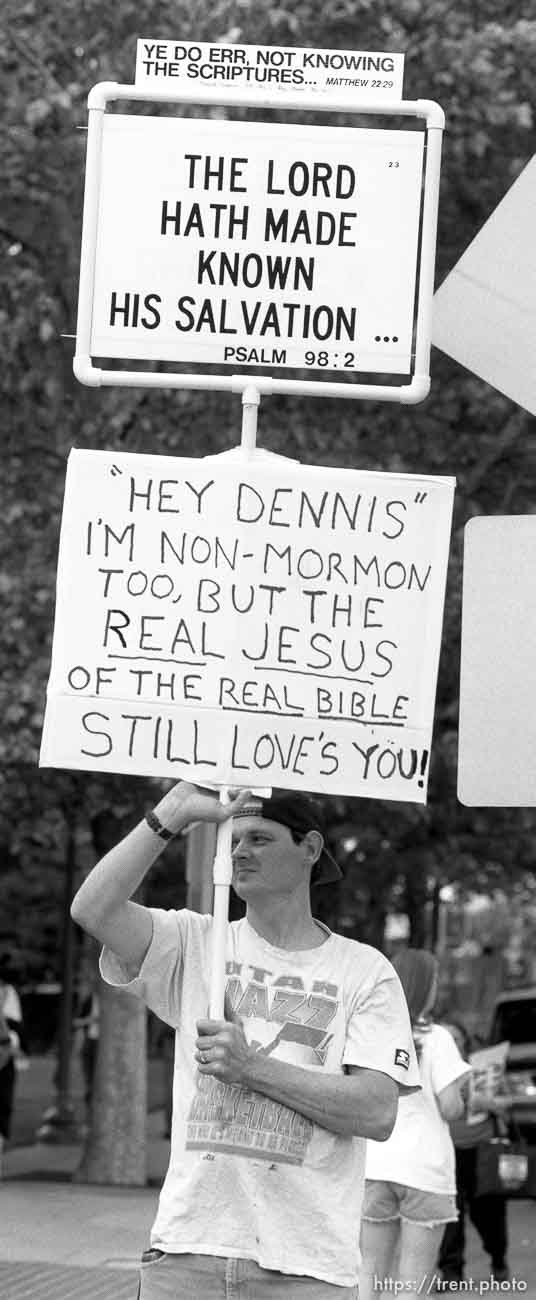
column 156, row 825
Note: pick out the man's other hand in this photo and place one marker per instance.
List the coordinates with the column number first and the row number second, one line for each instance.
column 222, row 1050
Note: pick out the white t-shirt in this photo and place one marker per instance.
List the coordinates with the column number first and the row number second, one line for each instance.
column 10, row 1003
column 248, row 1177
column 420, row 1151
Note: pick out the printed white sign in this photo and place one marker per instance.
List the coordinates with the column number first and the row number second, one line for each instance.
column 245, row 243
column 248, row 624
column 356, row 74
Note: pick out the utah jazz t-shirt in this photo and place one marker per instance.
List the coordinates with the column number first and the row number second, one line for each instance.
column 249, row 1177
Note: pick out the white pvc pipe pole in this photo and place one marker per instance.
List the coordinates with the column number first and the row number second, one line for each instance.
column 223, row 862
column 428, row 250
column 222, row 875
column 250, row 407
column 222, row 878
column 89, row 237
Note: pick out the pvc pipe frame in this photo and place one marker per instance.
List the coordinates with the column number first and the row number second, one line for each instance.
column 223, row 865
column 222, row 874
column 407, row 394
column 251, row 389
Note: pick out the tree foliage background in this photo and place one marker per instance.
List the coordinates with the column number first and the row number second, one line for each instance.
column 477, row 59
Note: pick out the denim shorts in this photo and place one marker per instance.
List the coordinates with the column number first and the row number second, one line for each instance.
column 211, row 1277
column 386, row 1201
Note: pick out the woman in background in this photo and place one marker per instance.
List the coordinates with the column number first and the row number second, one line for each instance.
column 410, row 1189
column 487, row 1213
column 12, row 1045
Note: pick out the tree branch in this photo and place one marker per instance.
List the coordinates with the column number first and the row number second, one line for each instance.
column 506, row 439
column 28, row 56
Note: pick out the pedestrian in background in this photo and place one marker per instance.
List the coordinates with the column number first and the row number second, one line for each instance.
column 487, row 1213
column 12, row 1049
column 88, row 1022
column 410, row 1188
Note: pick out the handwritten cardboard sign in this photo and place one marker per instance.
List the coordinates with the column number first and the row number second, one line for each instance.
column 248, row 623
column 248, row 243
column 487, row 1079
column 357, row 74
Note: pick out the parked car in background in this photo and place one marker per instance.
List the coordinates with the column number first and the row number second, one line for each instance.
column 514, row 1019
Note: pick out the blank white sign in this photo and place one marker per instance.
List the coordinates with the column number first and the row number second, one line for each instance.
column 497, row 739
column 485, row 310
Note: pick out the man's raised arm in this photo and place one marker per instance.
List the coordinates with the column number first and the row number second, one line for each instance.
column 103, row 903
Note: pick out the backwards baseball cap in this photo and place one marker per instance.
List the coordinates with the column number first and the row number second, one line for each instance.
column 301, row 814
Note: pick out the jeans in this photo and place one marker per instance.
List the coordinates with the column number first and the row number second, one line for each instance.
column 210, row 1277
column 488, row 1213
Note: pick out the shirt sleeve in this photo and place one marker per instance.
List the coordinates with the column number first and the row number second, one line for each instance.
column 159, row 980
column 378, row 1035
column 446, row 1062
column 12, row 1008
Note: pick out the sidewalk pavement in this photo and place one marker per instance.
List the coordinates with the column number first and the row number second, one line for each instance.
column 61, row 1240
column 68, row 1241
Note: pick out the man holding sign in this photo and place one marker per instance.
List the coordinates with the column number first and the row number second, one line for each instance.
column 272, row 1105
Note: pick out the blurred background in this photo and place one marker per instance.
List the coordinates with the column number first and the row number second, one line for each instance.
column 455, row 879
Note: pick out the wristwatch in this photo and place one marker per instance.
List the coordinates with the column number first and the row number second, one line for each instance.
column 156, row 825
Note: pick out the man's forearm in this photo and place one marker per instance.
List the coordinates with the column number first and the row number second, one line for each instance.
column 347, row 1104
column 103, row 904
column 117, row 876
column 114, row 879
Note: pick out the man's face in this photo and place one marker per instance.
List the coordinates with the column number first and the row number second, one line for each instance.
column 266, row 860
